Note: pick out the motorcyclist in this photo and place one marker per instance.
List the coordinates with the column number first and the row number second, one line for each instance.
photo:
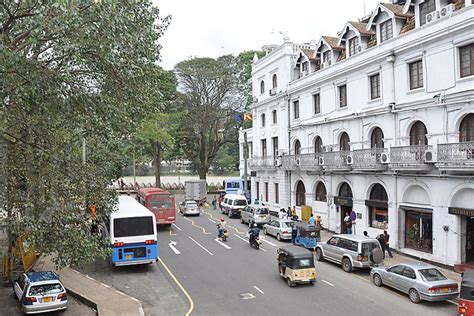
column 221, row 227
column 253, row 233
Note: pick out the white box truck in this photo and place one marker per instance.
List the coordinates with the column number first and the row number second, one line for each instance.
column 195, row 190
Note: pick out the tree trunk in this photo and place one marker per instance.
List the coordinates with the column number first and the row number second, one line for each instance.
column 203, row 167
column 157, row 151
column 202, row 172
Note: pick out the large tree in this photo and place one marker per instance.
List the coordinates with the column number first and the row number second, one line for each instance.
column 77, row 78
column 208, row 105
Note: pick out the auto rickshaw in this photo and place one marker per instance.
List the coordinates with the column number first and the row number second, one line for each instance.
column 296, row 265
column 466, row 295
column 307, row 235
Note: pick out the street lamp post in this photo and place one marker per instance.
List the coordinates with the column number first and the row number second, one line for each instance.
column 246, row 156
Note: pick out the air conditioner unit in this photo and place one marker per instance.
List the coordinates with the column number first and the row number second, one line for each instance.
column 349, row 159
column 446, row 10
column 430, row 156
column 321, row 161
column 298, row 161
column 273, row 91
column 361, row 47
column 385, row 158
column 431, row 17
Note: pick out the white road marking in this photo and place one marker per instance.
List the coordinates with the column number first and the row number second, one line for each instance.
column 268, row 242
column 330, row 284
column 177, row 227
column 255, row 287
column 212, row 220
column 200, row 245
column 222, row 244
column 248, row 241
column 172, row 245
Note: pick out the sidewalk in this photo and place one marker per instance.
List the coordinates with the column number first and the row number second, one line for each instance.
column 106, row 300
column 401, row 258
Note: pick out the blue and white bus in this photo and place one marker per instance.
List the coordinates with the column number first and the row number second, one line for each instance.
column 133, row 235
column 237, row 186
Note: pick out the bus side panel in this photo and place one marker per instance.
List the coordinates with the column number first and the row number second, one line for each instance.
column 135, row 254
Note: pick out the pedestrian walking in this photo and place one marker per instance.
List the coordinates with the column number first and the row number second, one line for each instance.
column 293, row 213
column 387, row 246
column 311, row 220
column 214, row 203
column 288, row 213
column 294, row 232
column 122, row 184
column 348, row 222
column 353, row 216
column 381, row 239
column 282, row 213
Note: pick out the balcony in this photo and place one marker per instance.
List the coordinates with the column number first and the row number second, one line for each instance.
column 304, row 162
column 262, row 163
column 368, row 159
column 409, row 158
column 335, row 161
column 456, row 157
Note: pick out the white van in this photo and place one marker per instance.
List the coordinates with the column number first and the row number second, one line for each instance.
column 233, row 204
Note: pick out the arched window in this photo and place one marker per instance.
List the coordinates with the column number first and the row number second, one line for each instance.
column 262, row 87
column 263, row 120
column 345, row 190
column 378, row 207
column 275, row 81
column 274, row 116
column 297, row 147
column 344, row 142
column 466, row 130
column 378, row 193
column 318, row 145
column 300, row 194
column 418, row 134
column 320, row 193
column 376, row 139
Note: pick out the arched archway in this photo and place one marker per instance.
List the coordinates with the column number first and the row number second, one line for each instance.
column 274, row 81
column 300, row 193
column 466, row 129
column 345, row 190
column 344, row 141
column 376, row 138
column 318, row 145
column 262, row 87
column 378, row 207
column 320, row 193
column 418, row 133
column 297, row 147
column 344, row 203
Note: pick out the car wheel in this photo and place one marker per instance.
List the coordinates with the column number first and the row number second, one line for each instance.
column 278, row 237
column 319, row 254
column 265, row 231
column 346, row 265
column 414, row 296
column 312, row 282
column 377, row 279
column 289, row 282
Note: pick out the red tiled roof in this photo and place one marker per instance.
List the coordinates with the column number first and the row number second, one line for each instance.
column 397, row 10
column 332, row 41
column 308, row 52
column 362, row 28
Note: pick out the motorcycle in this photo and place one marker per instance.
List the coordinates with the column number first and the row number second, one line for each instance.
column 255, row 242
column 223, row 235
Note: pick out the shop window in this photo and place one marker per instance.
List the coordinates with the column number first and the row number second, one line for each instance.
column 419, row 231
column 300, row 194
column 321, row 194
column 378, row 207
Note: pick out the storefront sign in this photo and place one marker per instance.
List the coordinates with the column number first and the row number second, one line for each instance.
column 376, row 203
column 461, row 211
column 345, row 201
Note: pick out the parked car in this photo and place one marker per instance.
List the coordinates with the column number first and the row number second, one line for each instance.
column 351, row 251
column 279, row 228
column 40, row 292
column 189, row 208
column 233, row 204
column 421, row 281
column 256, row 213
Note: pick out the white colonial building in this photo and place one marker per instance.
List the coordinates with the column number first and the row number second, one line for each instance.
column 378, row 120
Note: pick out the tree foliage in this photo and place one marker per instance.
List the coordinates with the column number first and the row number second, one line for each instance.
column 71, row 72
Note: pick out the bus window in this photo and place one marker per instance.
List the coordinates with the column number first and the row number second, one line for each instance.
column 167, row 203
column 233, row 185
column 133, row 226
column 154, row 203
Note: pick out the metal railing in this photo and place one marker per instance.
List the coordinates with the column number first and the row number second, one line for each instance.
column 456, row 152
column 262, row 162
column 336, row 159
column 408, row 154
column 368, row 157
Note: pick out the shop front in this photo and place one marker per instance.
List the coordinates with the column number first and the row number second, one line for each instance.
column 467, row 232
column 378, row 208
column 418, row 229
column 344, row 204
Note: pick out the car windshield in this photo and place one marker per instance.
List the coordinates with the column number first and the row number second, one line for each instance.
column 261, row 211
column 240, row 202
column 367, row 247
column 45, row 289
column 286, row 224
column 191, row 204
column 432, row 274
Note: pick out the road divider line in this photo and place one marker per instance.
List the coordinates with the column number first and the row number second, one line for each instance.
column 269, row 242
column 255, row 287
column 211, row 220
column 222, row 244
column 204, row 248
column 238, row 231
column 328, row 283
column 191, row 303
column 200, row 227
column 174, row 225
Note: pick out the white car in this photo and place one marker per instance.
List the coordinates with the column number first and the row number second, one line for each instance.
column 189, row 208
column 40, row 292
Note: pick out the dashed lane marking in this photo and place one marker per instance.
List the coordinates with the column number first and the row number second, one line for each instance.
column 222, row 244
column 174, row 225
column 203, row 229
column 268, row 242
column 211, row 220
column 255, row 287
column 204, row 248
column 248, row 241
column 328, row 283
column 191, row 303
column 238, row 231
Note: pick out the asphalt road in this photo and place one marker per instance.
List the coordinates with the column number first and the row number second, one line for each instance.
column 235, row 279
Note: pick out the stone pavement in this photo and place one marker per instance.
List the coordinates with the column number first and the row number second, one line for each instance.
column 399, row 257
column 106, row 300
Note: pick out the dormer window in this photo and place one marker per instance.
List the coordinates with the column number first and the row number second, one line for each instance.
column 425, row 8
column 305, row 67
column 327, row 57
column 353, row 43
column 386, row 31
column 262, row 87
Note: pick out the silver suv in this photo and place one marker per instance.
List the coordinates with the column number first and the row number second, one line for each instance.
column 257, row 214
column 351, row 251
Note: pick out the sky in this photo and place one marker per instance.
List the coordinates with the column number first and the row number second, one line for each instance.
column 211, row 28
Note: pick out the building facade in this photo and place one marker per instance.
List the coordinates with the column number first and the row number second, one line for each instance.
column 378, row 120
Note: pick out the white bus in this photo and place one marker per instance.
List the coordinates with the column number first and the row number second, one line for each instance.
column 133, row 234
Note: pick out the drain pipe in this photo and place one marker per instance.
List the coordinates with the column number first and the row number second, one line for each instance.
column 289, row 139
